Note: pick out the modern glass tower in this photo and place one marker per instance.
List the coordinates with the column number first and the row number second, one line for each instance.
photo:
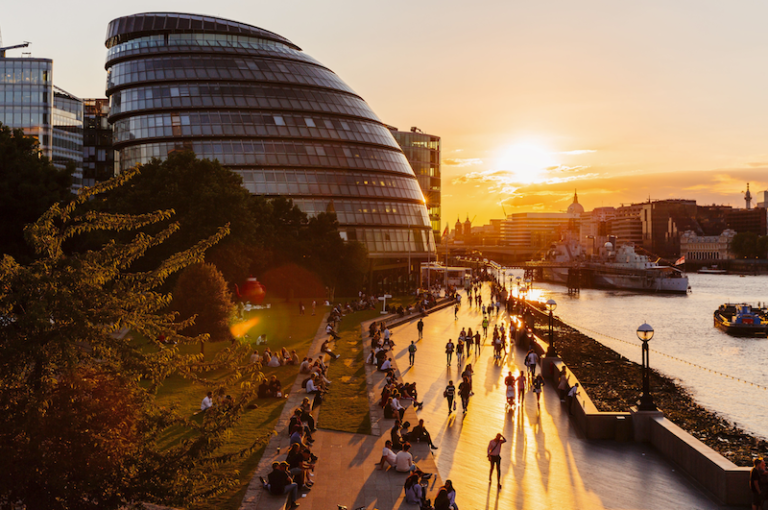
column 287, row 124
column 423, row 153
column 30, row 101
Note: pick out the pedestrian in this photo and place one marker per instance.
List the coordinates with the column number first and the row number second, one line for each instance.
column 459, row 351
column 538, row 385
column 412, row 353
column 563, row 384
column 420, row 328
column 531, row 360
column 456, row 312
column 521, row 387
column 465, row 388
column 485, row 327
column 494, row 457
column 314, row 306
column 449, row 351
column 477, row 344
column 754, row 483
column 468, row 373
column 449, row 393
column 571, row 397
column 301, row 308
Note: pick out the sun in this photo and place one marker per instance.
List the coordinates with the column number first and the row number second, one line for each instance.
column 527, row 162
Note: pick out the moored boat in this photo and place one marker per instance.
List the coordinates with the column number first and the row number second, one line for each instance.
column 711, row 270
column 741, row 320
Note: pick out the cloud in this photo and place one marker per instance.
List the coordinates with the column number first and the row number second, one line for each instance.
column 463, row 162
column 757, row 164
column 578, row 152
column 567, row 169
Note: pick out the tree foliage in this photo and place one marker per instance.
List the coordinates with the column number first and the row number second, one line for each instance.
column 201, row 294
column 203, row 194
column 79, row 427
column 29, row 185
column 745, row 245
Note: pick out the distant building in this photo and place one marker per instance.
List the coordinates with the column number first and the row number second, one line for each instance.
column 488, row 235
column 712, row 218
column 595, row 227
column 706, row 248
column 30, row 101
column 458, row 234
column 423, row 153
column 748, row 220
column 539, row 230
column 98, row 155
column 627, row 229
column 663, row 221
column 762, row 198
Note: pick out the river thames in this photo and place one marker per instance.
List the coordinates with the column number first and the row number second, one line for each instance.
column 684, row 330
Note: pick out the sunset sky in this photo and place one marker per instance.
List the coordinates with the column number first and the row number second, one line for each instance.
column 620, row 100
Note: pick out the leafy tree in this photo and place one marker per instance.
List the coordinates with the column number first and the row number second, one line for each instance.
column 201, row 294
column 744, row 245
column 762, row 247
column 203, row 194
column 29, row 185
column 79, row 426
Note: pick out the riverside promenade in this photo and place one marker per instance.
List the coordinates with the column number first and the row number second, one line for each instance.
column 546, row 463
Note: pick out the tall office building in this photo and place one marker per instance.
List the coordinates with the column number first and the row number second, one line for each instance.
column 29, row 101
column 98, row 155
column 423, row 153
column 287, row 124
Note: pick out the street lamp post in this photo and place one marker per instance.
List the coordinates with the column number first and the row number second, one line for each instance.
column 645, row 333
column 551, row 306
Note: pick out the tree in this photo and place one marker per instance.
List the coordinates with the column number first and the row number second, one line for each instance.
column 79, row 427
column 201, row 294
column 29, row 185
column 203, row 195
column 744, row 245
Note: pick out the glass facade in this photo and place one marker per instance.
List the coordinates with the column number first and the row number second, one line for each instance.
column 98, row 155
column 255, row 102
column 423, row 153
column 28, row 100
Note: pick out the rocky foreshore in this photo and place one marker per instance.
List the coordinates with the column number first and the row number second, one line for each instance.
column 613, row 383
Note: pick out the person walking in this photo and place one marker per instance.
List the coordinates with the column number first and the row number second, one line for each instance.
column 521, row 387
column 465, row 388
column 477, row 344
column 456, row 312
column 449, row 351
column 412, row 353
column 449, row 393
column 420, row 328
column 494, row 457
column 485, row 327
column 538, row 385
column 531, row 360
column 459, row 351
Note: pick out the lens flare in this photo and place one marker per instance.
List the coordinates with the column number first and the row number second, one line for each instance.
column 240, row 329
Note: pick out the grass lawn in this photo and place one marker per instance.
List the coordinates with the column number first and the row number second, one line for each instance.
column 346, row 406
column 284, row 327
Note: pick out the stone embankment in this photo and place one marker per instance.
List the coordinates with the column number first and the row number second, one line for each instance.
column 612, row 382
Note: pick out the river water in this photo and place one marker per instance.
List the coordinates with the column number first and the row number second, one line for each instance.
column 711, row 364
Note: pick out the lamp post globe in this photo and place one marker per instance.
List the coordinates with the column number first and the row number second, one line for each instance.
column 645, row 333
column 551, row 305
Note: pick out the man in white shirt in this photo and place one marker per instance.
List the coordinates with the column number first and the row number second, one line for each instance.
column 387, row 455
column 304, row 367
column 386, row 365
column 312, row 387
column 207, row 402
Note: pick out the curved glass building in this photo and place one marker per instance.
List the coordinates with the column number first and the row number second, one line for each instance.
column 287, row 124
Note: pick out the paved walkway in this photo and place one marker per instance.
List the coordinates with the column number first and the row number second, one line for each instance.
column 545, row 463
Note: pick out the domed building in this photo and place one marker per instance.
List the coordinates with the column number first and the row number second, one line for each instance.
column 262, row 107
column 575, row 207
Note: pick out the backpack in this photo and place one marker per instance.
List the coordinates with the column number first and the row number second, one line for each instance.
column 412, row 348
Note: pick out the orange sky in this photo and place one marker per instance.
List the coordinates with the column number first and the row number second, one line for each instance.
column 626, row 99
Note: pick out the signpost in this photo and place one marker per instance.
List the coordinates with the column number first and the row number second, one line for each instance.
column 384, row 303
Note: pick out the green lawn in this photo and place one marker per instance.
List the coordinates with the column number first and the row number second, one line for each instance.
column 284, row 327
column 346, row 406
